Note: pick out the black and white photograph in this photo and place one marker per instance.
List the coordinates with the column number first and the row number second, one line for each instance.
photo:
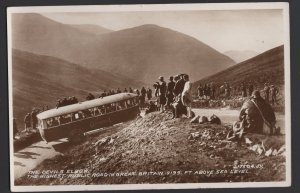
column 161, row 96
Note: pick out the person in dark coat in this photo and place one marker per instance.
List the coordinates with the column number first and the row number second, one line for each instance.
column 169, row 94
column 118, row 90
column 200, row 91
column 254, row 111
column 27, row 122
column 143, row 96
column 33, row 119
column 162, row 93
column 179, row 85
column 149, row 93
column 130, row 90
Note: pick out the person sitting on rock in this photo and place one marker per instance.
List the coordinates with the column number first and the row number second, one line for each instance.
column 258, row 115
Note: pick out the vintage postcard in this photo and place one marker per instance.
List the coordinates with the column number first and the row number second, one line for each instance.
column 173, row 96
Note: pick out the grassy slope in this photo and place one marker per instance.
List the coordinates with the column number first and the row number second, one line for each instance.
column 41, row 80
column 266, row 67
column 156, row 143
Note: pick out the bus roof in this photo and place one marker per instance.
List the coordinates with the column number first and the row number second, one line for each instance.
column 85, row 105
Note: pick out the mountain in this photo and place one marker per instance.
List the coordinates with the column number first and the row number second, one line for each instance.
column 93, row 29
column 143, row 52
column 40, row 80
column 266, row 67
column 240, row 55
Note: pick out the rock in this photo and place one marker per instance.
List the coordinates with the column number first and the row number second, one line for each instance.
column 203, row 119
column 248, row 141
column 215, row 119
column 195, row 119
column 269, row 152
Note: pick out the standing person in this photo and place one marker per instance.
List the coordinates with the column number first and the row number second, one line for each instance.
column 178, row 108
column 267, row 92
column 125, row 90
column 27, row 122
column 244, row 90
column 208, row 93
column 137, row 92
column 250, row 88
column 187, row 95
column 33, row 119
column 156, row 87
column 179, row 85
column 162, row 93
column 130, row 90
column 200, row 91
column 149, row 93
column 143, row 96
column 170, row 95
column 274, row 92
column 227, row 91
column 118, row 90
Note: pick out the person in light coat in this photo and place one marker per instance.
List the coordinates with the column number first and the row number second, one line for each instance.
column 186, row 96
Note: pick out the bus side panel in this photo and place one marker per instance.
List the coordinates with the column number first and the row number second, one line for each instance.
column 65, row 131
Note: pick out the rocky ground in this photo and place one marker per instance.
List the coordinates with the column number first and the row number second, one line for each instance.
column 157, row 149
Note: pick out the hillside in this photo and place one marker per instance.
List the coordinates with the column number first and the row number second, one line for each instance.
column 93, row 29
column 143, row 52
column 157, row 149
column 41, row 80
column 240, row 56
column 266, row 67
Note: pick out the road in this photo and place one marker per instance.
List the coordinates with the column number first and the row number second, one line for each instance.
column 229, row 116
column 30, row 157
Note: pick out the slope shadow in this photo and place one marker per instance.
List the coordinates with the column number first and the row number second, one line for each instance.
column 26, row 155
column 19, row 164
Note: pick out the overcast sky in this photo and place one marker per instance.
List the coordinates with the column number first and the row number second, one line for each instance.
column 257, row 30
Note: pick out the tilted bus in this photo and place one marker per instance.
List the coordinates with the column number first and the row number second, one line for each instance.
column 73, row 120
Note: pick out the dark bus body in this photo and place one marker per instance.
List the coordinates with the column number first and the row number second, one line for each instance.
column 74, row 120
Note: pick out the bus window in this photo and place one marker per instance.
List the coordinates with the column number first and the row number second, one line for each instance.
column 101, row 109
column 113, row 107
column 129, row 103
column 87, row 113
column 67, row 118
column 121, row 105
column 77, row 116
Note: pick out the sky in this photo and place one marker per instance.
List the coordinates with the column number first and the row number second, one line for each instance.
column 224, row 30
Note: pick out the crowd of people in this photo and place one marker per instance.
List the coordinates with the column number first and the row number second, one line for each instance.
column 175, row 95
column 210, row 91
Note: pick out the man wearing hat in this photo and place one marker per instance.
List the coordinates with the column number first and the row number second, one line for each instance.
column 162, row 93
column 170, row 95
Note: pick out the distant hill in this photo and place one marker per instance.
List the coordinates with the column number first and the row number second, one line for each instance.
column 266, row 67
column 240, row 56
column 93, row 29
column 143, row 52
column 41, row 80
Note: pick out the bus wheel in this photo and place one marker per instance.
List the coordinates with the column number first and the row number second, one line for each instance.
column 76, row 136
